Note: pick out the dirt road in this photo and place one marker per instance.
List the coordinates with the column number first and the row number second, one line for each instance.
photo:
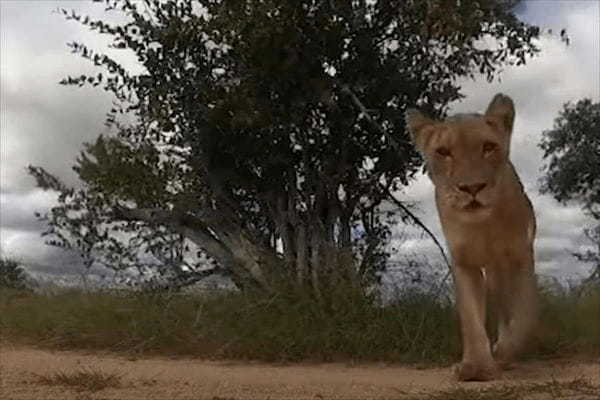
column 28, row 373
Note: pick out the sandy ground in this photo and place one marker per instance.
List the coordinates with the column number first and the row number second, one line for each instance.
column 160, row 378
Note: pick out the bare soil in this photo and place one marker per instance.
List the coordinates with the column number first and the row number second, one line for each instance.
column 29, row 373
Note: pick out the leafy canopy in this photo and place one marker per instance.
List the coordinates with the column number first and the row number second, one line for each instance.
column 572, row 154
column 260, row 123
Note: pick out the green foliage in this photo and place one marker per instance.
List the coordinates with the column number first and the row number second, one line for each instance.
column 290, row 325
column 351, row 327
column 570, row 322
column 572, row 151
column 12, row 275
column 118, row 170
column 572, row 172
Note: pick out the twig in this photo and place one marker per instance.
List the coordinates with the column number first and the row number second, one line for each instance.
column 420, row 224
column 347, row 91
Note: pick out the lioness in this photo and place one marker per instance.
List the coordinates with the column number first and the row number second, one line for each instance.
column 489, row 226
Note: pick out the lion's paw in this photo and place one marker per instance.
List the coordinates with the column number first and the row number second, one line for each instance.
column 470, row 371
column 504, row 356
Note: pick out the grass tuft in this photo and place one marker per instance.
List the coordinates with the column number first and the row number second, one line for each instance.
column 569, row 323
column 576, row 389
column 86, row 379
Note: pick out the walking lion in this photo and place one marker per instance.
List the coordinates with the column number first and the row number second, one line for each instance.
column 489, row 225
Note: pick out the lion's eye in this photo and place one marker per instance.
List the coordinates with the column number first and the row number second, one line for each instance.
column 489, row 147
column 443, row 151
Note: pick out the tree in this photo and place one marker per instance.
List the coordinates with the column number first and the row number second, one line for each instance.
column 572, row 151
column 591, row 256
column 268, row 133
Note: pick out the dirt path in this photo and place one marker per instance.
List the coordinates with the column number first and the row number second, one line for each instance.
column 23, row 370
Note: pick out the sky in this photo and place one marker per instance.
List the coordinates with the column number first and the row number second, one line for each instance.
column 45, row 124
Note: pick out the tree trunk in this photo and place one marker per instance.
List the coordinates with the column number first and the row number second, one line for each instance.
column 315, row 261
column 301, row 255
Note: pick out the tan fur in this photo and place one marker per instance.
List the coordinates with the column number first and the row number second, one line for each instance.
column 489, row 225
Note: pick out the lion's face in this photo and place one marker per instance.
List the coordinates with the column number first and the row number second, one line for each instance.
column 466, row 155
column 465, row 160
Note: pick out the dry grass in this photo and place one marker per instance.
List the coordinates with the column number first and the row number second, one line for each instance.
column 285, row 327
column 577, row 389
column 290, row 326
column 86, row 379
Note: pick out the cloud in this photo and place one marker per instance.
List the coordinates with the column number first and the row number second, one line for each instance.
column 44, row 123
column 16, row 209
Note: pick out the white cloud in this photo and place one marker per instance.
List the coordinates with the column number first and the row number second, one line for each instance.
column 44, row 123
column 16, row 209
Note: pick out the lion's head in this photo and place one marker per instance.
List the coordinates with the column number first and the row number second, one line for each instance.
column 466, row 154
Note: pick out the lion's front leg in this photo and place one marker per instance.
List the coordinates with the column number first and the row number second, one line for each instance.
column 518, row 300
column 498, row 280
column 477, row 362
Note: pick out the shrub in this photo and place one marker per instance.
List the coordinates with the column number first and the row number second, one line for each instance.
column 12, row 275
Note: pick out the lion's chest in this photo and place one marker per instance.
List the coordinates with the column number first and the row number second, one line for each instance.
column 486, row 237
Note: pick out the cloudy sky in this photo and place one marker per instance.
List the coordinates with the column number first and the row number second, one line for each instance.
column 43, row 123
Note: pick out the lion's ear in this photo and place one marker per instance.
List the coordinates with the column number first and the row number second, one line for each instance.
column 417, row 125
column 502, row 109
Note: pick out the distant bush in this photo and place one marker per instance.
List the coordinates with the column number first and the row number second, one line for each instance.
column 12, row 275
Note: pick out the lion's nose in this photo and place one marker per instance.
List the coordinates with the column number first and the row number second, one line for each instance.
column 472, row 189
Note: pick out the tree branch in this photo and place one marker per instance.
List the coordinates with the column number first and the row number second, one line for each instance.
column 233, row 251
column 190, row 226
column 347, row 91
column 421, row 225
